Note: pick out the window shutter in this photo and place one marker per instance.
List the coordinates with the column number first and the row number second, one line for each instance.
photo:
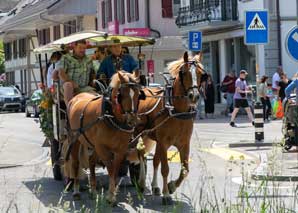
column 167, row 8
column 103, row 15
column 122, row 12
column 110, row 10
column 116, row 15
column 137, row 10
column 128, row 10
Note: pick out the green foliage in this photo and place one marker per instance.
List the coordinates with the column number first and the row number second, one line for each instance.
column 46, row 114
column 2, row 59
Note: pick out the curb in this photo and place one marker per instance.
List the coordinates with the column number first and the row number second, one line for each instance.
column 252, row 144
column 8, row 166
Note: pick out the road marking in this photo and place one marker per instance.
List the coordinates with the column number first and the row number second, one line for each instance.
column 174, row 157
column 227, row 154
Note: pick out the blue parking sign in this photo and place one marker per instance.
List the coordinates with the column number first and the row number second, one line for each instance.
column 256, row 27
column 292, row 43
column 195, row 41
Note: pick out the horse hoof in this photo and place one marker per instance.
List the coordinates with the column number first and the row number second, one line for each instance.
column 167, row 201
column 76, row 196
column 172, row 187
column 156, row 191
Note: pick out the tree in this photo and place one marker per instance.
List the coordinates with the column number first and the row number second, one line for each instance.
column 2, row 58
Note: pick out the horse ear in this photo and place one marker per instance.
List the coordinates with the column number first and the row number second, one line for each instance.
column 185, row 56
column 121, row 77
column 200, row 56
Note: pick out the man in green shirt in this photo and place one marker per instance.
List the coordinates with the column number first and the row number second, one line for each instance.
column 76, row 71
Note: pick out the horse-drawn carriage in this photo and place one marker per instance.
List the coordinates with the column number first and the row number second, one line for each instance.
column 104, row 128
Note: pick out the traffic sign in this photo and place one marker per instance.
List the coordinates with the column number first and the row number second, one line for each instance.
column 292, row 43
column 195, row 41
column 256, row 27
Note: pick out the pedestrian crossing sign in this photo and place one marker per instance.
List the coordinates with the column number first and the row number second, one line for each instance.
column 256, row 27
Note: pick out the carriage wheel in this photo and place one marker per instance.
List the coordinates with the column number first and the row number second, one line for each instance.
column 134, row 173
column 57, row 173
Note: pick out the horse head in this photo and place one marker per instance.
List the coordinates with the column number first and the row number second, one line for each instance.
column 187, row 73
column 126, row 94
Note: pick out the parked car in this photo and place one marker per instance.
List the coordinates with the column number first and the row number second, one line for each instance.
column 10, row 99
column 33, row 103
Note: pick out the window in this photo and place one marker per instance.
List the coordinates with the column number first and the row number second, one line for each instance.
column 132, row 10
column 70, row 27
column 15, row 49
column 22, row 48
column 57, row 33
column 7, row 51
column 106, row 9
column 176, row 7
column 119, row 13
column 44, row 36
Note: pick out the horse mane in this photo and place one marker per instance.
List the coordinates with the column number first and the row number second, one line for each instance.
column 174, row 67
column 115, row 81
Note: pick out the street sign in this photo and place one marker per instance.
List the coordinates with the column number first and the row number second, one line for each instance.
column 195, row 41
column 256, row 27
column 292, row 43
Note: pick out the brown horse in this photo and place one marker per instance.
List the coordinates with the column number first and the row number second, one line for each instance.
column 172, row 127
column 107, row 136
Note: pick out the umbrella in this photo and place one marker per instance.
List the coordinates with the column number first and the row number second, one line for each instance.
column 48, row 48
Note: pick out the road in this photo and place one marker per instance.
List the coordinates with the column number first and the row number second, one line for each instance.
column 217, row 173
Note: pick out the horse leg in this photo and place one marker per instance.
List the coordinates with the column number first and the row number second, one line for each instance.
column 113, row 173
column 76, row 186
column 156, row 162
column 92, row 164
column 166, row 200
column 184, row 158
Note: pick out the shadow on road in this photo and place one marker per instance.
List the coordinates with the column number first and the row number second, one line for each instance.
column 50, row 193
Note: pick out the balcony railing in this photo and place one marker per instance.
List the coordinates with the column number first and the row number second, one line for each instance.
column 207, row 10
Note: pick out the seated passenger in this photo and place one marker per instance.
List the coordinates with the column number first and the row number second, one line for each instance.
column 76, row 71
column 116, row 61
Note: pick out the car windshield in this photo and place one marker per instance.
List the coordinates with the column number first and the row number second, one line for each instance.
column 8, row 91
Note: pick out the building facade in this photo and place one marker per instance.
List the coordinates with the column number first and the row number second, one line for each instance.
column 35, row 23
column 222, row 21
column 148, row 18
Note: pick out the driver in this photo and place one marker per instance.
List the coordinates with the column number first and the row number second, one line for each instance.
column 116, row 61
column 76, row 71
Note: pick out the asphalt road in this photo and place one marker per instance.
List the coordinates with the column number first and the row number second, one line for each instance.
column 216, row 173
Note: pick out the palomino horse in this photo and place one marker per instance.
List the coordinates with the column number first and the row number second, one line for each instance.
column 171, row 127
column 108, row 135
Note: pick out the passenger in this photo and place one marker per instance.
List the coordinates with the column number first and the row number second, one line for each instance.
column 116, row 61
column 55, row 58
column 76, row 71
column 98, row 57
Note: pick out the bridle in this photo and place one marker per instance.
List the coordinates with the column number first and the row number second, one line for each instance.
column 118, row 97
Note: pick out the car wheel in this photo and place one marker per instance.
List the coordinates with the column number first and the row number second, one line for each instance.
column 27, row 114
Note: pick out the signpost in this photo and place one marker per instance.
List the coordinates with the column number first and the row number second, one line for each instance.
column 257, row 33
column 292, row 43
column 195, row 41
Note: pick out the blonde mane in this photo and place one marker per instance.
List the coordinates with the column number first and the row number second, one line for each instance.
column 115, row 81
column 174, row 67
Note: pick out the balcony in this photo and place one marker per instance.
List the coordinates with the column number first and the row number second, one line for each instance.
column 207, row 11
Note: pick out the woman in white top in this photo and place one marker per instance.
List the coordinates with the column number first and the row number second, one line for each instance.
column 55, row 57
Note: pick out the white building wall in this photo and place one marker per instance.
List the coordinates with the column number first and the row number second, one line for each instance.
column 288, row 8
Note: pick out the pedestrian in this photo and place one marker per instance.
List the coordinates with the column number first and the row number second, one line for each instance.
column 209, row 97
column 291, row 87
column 276, row 79
column 229, row 88
column 263, row 97
column 240, row 98
column 283, row 83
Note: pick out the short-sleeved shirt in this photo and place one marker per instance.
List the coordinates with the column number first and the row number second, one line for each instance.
column 231, row 86
column 263, row 89
column 242, row 85
column 283, row 86
column 275, row 79
column 108, row 65
column 78, row 70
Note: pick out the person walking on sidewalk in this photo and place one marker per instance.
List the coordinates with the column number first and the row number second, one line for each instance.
column 240, row 98
column 264, row 98
column 229, row 83
column 284, row 82
column 276, row 79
